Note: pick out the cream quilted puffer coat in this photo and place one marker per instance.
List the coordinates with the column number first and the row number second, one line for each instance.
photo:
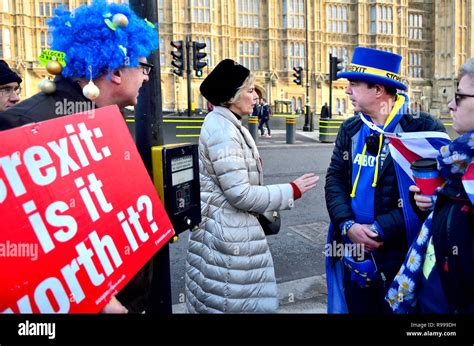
column 229, row 268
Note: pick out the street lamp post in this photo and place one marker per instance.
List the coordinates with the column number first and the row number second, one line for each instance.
column 308, row 121
column 148, row 133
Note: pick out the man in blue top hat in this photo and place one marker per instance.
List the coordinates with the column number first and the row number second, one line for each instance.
column 361, row 189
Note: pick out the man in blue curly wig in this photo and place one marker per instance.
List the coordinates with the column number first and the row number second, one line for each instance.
column 105, row 48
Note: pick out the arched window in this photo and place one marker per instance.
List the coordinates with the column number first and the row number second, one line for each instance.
column 389, row 20
column 373, row 16
column 293, row 105
column 292, row 55
column 257, row 56
column 302, row 55
column 344, row 19
column 328, row 18
column 162, row 52
column 248, row 13
column 301, row 14
column 7, row 53
column 209, row 52
column 248, row 54
column 161, row 11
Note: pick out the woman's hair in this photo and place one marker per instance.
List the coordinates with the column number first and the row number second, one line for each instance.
column 250, row 80
column 467, row 69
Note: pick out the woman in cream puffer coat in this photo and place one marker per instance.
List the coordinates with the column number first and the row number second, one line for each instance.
column 229, row 268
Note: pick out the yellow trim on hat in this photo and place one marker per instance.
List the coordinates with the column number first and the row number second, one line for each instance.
column 374, row 71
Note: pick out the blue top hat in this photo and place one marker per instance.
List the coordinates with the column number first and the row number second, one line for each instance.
column 375, row 66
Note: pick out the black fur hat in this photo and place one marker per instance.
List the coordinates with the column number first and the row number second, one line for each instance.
column 223, row 81
column 7, row 75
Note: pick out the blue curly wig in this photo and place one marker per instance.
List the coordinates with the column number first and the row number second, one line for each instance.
column 87, row 40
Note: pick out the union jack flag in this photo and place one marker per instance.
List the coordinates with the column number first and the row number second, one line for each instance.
column 468, row 182
column 405, row 148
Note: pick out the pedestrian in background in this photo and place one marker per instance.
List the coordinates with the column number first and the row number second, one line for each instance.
column 264, row 118
column 256, row 109
column 325, row 111
column 362, row 191
column 229, row 268
column 116, row 62
column 441, row 260
column 10, row 88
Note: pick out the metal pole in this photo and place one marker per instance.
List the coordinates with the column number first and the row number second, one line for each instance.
column 188, row 71
column 308, row 108
column 330, row 86
column 307, row 121
column 148, row 133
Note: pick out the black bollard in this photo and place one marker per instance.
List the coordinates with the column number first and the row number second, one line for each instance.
column 253, row 127
column 290, row 129
column 328, row 129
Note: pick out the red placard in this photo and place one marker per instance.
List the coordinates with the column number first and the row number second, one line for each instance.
column 79, row 213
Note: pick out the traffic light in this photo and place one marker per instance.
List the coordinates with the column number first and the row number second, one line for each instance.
column 298, row 75
column 178, row 57
column 334, row 66
column 198, row 65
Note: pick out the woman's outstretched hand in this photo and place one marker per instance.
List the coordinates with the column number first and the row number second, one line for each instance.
column 306, row 182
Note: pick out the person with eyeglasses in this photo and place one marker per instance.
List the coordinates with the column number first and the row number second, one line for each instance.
column 146, row 68
column 10, row 88
column 362, row 194
column 445, row 281
column 115, row 58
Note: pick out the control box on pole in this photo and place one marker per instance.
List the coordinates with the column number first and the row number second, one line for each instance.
column 176, row 178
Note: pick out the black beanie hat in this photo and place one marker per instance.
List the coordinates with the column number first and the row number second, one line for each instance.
column 7, row 75
column 223, row 81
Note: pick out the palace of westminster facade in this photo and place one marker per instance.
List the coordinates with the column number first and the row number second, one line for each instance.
column 271, row 37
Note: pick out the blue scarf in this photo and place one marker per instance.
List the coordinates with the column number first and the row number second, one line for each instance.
column 454, row 161
column 366, row 167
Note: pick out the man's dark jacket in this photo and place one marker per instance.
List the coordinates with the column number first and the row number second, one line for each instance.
column 388, row 210
column 41, row 107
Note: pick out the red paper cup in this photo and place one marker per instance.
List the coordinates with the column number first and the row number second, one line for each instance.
column 426, row 175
